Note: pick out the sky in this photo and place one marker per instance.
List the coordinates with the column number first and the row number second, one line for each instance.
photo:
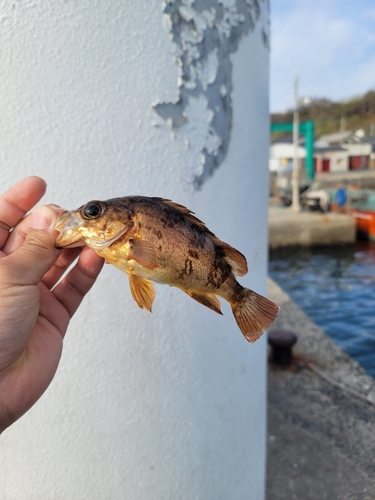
column 329, row 44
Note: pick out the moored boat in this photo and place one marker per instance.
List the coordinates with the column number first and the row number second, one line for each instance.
column 365, row 222
column 360, row 203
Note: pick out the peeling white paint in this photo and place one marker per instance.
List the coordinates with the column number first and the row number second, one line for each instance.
column 207, row 71
column 204, row 35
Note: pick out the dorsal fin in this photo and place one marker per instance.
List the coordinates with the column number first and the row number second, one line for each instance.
column 186, row 213
column 235, row 259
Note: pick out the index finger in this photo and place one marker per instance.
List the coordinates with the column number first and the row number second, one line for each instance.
column 17, row 201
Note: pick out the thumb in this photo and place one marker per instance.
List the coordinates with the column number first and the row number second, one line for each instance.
column 37, row 255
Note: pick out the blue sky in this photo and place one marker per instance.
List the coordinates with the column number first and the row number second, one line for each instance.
column 329, row 44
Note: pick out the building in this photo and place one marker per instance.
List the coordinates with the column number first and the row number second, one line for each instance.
column 282, row 153
column 337, row 152
column 342, row 151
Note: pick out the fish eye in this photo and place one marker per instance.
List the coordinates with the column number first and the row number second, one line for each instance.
column 92, row 210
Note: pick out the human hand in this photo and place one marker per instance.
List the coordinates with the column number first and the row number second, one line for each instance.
column 34, row 311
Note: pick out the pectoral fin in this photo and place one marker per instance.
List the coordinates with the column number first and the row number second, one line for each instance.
column 143, row 291
column 208, row 300
column 144, row 253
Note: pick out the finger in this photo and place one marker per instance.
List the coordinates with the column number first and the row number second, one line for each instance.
column 18, row 200
column 18, row 236
column 71, row 290
column 28, row 264
column 66, row 258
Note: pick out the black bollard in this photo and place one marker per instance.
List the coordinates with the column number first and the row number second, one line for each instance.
column 281, row 342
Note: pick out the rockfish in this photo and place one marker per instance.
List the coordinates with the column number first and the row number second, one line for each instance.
column 153, row 239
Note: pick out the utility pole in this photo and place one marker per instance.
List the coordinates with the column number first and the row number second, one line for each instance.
column 295, row 177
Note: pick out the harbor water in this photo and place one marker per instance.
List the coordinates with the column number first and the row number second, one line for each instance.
column 335, row 286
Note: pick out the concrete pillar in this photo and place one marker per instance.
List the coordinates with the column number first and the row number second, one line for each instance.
column 107, row 99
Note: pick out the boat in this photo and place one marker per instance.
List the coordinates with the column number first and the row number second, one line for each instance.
column 365, row 223
column 360, row 204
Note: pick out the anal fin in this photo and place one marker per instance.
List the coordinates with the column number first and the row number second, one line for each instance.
column 143, row 291
column 208, row 300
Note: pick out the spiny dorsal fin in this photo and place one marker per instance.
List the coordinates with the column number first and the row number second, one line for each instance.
column 235, row 259
column 143, row 291
column 186, row 213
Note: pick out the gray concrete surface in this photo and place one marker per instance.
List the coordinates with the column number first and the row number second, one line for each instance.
column 363, row 177
column 321, row 438
column 289, row 228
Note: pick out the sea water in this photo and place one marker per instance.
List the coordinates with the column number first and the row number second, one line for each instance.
column 335, row 286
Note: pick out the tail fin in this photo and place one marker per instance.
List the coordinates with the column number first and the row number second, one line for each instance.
column 254, row 313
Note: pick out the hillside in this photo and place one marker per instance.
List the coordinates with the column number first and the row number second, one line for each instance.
column 329, row 116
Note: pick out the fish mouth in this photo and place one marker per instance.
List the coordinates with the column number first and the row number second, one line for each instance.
column 67, row 225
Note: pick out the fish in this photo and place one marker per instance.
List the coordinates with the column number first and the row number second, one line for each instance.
column 157, row 240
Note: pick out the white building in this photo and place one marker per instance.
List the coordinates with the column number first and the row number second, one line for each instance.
column 281, row 156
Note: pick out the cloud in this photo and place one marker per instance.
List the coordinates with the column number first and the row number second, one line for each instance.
column 330, row 48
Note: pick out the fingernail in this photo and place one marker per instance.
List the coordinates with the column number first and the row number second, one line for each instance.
column 40, row 218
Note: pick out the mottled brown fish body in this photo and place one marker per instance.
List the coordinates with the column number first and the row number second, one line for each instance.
column 152, row 239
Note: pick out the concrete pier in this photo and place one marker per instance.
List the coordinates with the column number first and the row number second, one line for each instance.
column 290, row 228
column 321, row 417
